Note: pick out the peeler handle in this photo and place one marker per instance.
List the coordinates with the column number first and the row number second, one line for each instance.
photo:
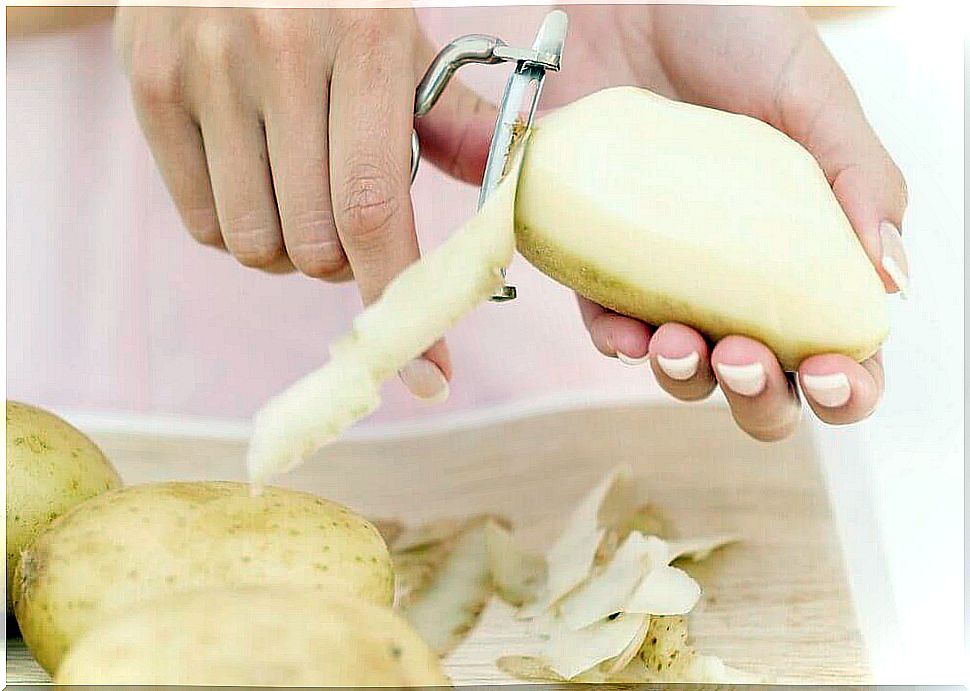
column 474, row 48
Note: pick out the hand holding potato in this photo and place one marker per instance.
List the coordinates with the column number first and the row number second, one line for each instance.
column 769, row 63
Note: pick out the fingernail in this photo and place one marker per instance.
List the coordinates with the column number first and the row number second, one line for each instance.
column 746, row 380
column 425, row 381
column 679, row 368
column 894, row 257
column 828, row 390
column 632, row 361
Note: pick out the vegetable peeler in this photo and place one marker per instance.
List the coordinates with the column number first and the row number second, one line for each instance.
column 519, row 102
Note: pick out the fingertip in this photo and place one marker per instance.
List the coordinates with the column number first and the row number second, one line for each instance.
column 741, row 350
column 838, row 389
column 440, row 356
column 615, row 335
column 680, row 362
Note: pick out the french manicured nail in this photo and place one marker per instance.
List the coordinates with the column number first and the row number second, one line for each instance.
column 679, row 368
column 828, row 390
column 425, row 381
column 746, row 380
column 632, row 361
column 894, row 257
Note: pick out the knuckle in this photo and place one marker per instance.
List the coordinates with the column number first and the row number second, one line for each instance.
column 371, row 28
column 285, row 33
column 257, row 255
column 155, row 79
column 899, row 184
column 253, row 240
column 319, row 259
column 369, row 206
column 203, row 226
column 214, row 43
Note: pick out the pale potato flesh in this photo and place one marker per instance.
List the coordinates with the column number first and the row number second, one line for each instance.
column 132, row 545
column 671, row 212
column 254, row 637
column 51, row 467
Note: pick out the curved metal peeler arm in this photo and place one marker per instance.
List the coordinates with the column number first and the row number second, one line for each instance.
column 475, row 48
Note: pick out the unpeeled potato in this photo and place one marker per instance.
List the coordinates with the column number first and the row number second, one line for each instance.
column 137, row 544
column 256, row 636
column 51, row 467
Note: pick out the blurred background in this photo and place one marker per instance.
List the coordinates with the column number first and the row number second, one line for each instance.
column 115, row 317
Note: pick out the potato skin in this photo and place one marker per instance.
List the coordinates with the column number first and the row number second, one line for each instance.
column 51, row 467
column 256, row 636
column 148, row 541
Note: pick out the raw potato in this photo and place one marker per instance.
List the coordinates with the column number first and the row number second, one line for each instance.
column 254, row 637
column 668, row 211
column 149, row 541
column 415, row 310
column 51, row 467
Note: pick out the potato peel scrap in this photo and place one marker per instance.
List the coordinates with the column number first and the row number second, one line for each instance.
column 387, row 335
column 611, row 667
column 664, row 590
column 571, row 557
column 698, row 548
column 531, row 668
column 429, row 534
column 446, row 607
column 606, row 592
column 571, row 652
column 516, row 574
column 607, row 613
column 388, row 528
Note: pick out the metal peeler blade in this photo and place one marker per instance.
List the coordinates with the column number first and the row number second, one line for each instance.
column 519, row 101
column 518, row 107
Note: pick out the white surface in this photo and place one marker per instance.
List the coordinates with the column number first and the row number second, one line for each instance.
column 907, row 66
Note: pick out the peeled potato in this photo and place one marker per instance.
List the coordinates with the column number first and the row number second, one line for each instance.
column 144, row 542
column 671, row 212
column 256, row 636
column 51, row 467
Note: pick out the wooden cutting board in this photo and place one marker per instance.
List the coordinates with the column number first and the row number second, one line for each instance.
column 776, row 605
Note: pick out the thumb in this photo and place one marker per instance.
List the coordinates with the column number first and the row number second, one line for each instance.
column 821, row 110
column 456, row 134
column 872, row 192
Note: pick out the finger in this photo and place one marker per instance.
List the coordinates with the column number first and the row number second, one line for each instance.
column 296, row 137
column 176, row 145
column 839, row 390
column 235, row 145
column 868, row 184
column 763, row 400
column 371, row 119
column 456, row 134
column 680, row 359
column 615, row 335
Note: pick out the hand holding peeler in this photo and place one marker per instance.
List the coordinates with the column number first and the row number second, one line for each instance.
column 519, row 102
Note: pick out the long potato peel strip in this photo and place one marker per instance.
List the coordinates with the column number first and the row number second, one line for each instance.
column 416, row 309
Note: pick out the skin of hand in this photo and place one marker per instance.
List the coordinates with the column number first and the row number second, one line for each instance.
column 769, row 63
column 284, row 137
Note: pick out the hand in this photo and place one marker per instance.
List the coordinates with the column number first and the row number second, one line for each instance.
column 768, row 63
column 284, row 137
